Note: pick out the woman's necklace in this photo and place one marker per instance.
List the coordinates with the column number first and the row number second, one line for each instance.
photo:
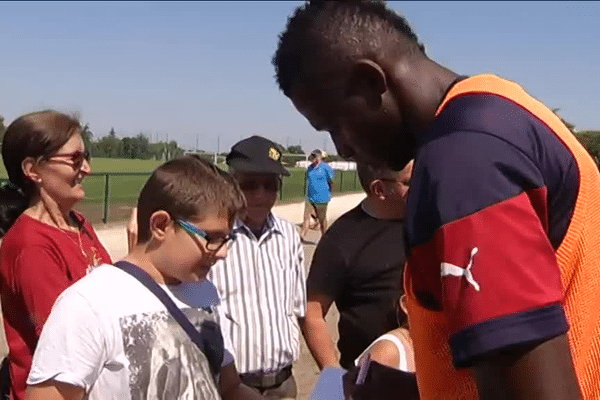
column 92, row 261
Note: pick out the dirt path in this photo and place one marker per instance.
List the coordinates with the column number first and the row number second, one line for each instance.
column 305, row 370
column 114, row 238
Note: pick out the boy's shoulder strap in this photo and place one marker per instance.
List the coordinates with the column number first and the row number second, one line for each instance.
column 209, row 339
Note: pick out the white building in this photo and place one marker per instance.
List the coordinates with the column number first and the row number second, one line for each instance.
column 340, row 165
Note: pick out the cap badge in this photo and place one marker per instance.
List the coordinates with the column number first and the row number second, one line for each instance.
column 274, row 153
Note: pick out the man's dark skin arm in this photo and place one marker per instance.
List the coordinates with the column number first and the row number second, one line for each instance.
column 536, row 372
column 541, row 371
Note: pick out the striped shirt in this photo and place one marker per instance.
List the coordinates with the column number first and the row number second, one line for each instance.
column 262, row 287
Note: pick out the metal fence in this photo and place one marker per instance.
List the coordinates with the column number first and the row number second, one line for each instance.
column 110, row 196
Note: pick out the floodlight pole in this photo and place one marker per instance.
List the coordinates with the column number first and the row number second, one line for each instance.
column 218, row 146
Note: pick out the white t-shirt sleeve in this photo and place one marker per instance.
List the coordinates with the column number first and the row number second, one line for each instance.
column 71, row 348
column 227, row 346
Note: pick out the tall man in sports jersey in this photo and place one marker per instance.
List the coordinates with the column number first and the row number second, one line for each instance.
column 503, row 266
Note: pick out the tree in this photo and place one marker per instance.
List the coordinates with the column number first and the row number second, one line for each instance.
column 591, row 141
column 567, row 124
column 2, row 129
column 128, row 147
column 87, row 137
column 297, row 149
column 109, row 146
column 137, row 147
column 141, row 147
column 158, row 151
column 173, row 150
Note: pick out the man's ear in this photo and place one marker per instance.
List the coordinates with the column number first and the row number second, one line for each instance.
column 378, row 189
column 28, row 165
column 160, row 223
column 368, row 80
column 403, row 304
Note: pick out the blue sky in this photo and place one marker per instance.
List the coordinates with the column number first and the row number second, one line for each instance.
column 203, row 69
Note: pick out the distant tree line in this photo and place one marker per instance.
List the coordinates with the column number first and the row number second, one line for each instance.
column 591, row 141
column 2, row 128
column 111, row 146
column 137, row 147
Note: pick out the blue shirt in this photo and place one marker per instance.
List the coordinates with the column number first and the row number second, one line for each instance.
column 318, row 178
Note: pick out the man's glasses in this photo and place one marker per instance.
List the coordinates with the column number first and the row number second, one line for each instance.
column 212, row 243
column 77, row 158
column 267, row 185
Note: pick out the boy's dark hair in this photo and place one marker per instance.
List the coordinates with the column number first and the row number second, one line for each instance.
column 326, row 33
column 368, row 173
column 188, row 187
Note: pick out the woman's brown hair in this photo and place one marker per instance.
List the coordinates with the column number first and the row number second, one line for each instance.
column 37, row 135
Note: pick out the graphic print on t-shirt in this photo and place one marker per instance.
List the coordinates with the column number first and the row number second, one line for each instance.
column 164, row 363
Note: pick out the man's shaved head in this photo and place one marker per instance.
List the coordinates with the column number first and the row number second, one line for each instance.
column 329, row 33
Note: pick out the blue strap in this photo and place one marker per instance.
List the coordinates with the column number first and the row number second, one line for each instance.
column 209, row 339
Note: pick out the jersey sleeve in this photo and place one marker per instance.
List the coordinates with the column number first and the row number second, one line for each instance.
column 71, row 348
column 483, row 235
column 327, row 270
column 42, row 278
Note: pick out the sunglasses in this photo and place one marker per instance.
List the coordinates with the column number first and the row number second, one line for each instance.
column 77, row 158
column 267, row 185
column 212, row 243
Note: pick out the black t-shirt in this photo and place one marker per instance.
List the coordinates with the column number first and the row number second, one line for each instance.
column 359, row 264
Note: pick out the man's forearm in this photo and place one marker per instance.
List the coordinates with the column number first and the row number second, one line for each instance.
column 320, row 344
column 531, row 372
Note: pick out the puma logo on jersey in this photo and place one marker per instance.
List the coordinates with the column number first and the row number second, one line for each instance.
column 448, row 269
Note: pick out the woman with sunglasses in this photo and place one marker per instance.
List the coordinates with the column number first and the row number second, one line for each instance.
column 46, row 245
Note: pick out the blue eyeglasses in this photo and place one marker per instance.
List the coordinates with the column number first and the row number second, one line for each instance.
column 212, row 243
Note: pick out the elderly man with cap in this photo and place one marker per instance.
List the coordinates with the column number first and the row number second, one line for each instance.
column 319, row 182
column 262, row 281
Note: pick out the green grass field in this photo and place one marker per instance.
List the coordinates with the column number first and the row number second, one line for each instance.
column 124, row 189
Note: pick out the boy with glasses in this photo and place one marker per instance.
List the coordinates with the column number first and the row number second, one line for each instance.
column 108, row 336
column 262, row 281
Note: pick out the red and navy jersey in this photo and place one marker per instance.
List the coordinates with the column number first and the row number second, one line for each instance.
column 500, row 195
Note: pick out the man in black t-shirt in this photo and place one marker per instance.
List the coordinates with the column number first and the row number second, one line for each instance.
column 358, row 264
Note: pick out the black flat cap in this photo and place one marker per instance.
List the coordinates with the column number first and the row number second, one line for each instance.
column 256, row 154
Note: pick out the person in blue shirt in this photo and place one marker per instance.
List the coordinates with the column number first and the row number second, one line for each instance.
column 319, row 181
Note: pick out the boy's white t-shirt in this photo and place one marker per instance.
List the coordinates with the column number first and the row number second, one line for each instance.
column 110, row 335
